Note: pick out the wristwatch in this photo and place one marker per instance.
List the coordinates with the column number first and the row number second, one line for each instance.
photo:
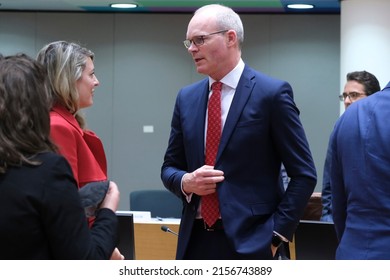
column 276, row 240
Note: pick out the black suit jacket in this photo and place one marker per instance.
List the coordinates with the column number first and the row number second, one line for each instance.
column 41, row 216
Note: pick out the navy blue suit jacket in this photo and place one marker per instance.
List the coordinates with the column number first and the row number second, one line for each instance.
column 360, row 178
column 326, row 193
column 261, row 131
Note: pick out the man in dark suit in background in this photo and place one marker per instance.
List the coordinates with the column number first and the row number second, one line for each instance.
column 260, row 130
column 360, row 178
column 360, row 84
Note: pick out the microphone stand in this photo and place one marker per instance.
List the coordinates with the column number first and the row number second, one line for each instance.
column 167, row 229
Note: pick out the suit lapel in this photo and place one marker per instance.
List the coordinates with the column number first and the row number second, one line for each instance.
column 241, row 96
column 198, row 110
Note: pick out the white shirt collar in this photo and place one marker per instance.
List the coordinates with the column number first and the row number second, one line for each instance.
column 233, row 77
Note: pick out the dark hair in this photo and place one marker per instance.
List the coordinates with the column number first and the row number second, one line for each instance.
column 368, row 80
column 24, row 111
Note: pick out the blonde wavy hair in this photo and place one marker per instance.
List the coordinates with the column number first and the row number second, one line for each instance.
column 64, row 63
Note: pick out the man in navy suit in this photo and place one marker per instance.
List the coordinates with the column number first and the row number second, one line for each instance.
column 360, row 84
column 360, row 178
column 261, row 130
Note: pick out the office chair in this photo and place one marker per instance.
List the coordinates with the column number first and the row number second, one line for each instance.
column 161, row 203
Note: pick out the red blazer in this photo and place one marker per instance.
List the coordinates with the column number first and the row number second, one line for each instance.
column 82, row 148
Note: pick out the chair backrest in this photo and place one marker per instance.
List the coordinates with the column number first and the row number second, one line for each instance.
column 313, row 210
column 161, row 203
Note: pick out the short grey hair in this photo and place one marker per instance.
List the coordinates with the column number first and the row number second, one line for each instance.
column 226, row 18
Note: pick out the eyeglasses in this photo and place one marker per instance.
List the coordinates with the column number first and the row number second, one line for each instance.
column 199, row 40
column 352, row 95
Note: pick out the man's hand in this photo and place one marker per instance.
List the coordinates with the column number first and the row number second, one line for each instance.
column 202, row 181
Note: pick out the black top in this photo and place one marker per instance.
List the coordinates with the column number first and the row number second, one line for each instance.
column 41, row 216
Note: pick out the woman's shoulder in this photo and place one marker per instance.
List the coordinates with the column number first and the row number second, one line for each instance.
column 54, row 163
column 51, row 158
column 63, row 126
column 62, row 119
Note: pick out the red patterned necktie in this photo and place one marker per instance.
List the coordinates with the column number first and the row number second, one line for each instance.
column 210, row 204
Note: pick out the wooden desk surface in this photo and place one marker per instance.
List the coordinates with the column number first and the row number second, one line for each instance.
column 151, row 243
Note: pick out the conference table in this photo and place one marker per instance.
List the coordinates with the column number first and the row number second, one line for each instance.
column 151, row 242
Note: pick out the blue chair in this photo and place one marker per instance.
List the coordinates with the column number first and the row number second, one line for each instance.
column 161, row 203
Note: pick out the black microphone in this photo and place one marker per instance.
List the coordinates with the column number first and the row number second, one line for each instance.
column 167, row 229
